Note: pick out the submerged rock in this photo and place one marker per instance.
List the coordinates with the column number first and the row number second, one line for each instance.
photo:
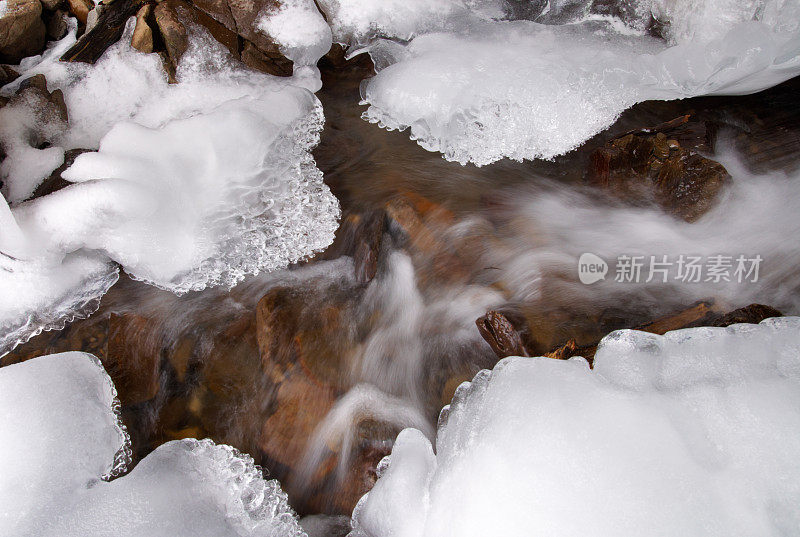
column 664, row 166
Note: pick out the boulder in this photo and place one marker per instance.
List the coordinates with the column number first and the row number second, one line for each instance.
column 22, row 30
column 662, row 166
column 142, row 38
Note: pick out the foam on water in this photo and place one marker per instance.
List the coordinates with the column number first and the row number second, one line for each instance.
column 60, row 434
column 691, row 433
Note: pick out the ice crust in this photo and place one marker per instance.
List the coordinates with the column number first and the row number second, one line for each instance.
column 692, row 433
column 60, row 436
column 478, row 89
column 193, row 184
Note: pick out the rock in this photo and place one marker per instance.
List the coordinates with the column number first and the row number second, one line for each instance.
column 55, row 181
column 111, row 19
column 256, row 49
column 142, row 38
column 173, row 32
column 55, row 24
column 269, row 61
column 754, row 313
column 359, row 236
column 22, row 31
column 55, row 100
column 662, row 165
column 501, row 335
column 51, row 5
column 703, row 313
column 80, row 9
column 7, row 75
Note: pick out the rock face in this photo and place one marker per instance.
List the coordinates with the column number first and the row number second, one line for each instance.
column 22, row 30
column 663, row 166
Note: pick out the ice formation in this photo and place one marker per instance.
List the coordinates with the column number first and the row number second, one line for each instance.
column 302, row 34
column 690, row 433
column 59, row 435
column 194, row 184
column 479, row 90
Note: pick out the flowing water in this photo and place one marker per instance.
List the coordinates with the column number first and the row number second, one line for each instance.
column 315, row 369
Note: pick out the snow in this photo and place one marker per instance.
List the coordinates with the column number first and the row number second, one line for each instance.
column 59, row 434
column 690, row 433
column 194, row 184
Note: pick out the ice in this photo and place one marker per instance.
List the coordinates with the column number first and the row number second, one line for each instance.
column 358, row 21
column 27, row 122
column 60, row 434
column 302, row 35
column 691, row 433
column 478, row 90
column 194, row 184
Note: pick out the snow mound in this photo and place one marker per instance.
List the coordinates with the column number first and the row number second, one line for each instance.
column 61, row 434
column 690, row 433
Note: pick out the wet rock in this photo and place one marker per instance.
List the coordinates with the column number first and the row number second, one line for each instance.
column 754, row 313
column 55, row 181
column 703, row 313
column 22, row 31
column 663, row 166
column 359, row 236
column 172, row 32
column 80, row 9
column 142, row 38
column 107, row 30
column 501, row 335
column 56, row 24
column 7, row 75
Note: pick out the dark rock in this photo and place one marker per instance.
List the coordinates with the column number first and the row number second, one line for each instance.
column 7, row 75
column 172, row 31
column 56, row 24
column 501, row 335
column 22, row 30
column 55, row 181
column 754, row 313
column 662, row 166
column 105, row 32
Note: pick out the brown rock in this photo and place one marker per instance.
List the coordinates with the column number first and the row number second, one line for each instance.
column 55, row 181
column 109, row 26
column 501, row 335
column 173, row 32
column 80, row 9
column 22, row 31
column 754, row 313
column 142, row 39
column 56, row 24
column 255, row 49
column 662, row 166
column 7, row 75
